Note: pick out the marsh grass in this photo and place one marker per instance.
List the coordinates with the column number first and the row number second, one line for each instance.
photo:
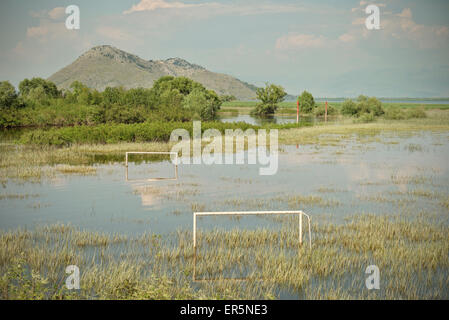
column 10, row 196
column 410, row 252
column 82, row 170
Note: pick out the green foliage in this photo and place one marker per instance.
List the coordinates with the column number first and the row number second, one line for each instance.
column 20, row 284
column 202, row 104
column 114, row 133
column 124, row 114
column 364, row 105
column 8, row 95
column 395, row 113
column 42, row 86
column 349, row 108
column 114, row 95
column 321, row 110
column 269, row 96
column 417, row 113
column 365, row 118
column 306, row 102
column 183, row 94
column 171, row 99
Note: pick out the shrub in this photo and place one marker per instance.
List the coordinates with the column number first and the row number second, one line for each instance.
column 321, row 110
column 114, row 133
column 8, row 95
column 417, row 113
column 365, row 118
column 395, row 113
column 349, row 108
column 306, row 102
column 364, row 105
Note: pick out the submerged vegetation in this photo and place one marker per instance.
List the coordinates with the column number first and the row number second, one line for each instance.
column 411, row 254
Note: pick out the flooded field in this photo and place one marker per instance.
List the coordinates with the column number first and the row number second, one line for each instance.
column 278, row 119
column 352, row 177
column 374, row 199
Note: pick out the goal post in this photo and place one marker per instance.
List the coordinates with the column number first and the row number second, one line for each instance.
column 175, row 154
column 249, row 213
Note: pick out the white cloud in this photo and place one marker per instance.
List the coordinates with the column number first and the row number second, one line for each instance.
column 57, row 13
column 404, row 27
column 214, row 8
column 346, row 37
column 38, row 31
column 397, row 26
column 151, row 5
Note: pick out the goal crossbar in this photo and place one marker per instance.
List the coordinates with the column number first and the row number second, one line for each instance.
column 244, row 213
column 247, row 213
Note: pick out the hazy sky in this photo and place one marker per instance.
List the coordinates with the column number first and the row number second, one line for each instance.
column 321, row 45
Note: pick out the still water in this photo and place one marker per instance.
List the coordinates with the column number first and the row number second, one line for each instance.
column 343, row 180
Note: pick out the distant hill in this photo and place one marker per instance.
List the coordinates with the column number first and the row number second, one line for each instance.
column 106, row 66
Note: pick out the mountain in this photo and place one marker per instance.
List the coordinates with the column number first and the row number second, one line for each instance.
column 106, row 66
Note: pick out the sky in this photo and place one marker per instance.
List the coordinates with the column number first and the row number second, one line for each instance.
column 322, row 46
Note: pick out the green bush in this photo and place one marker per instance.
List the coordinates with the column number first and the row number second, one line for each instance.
column 306, row 102
column 349, row 108
column 365, row 118
column 364, row 105
column 395, row 113
column 417, row 113
column 114, row 133
column 321, row 110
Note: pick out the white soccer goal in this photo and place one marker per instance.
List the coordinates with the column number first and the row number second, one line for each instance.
column 157, row 153
column 247, row 213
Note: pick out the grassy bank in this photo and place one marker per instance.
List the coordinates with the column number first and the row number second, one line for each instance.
column 289, row 107
column 116, row 133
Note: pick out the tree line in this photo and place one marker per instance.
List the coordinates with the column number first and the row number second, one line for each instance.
column 39, row 102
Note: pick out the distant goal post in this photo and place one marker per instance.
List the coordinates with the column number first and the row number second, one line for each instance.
column 171, row 154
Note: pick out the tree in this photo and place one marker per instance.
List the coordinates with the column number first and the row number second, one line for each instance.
column 8, row 95
column 306, row 102
column 177, row 95
column 269, row 96
column 114, row 95
column 138, row 97
column 203, row 104
column 48, row 88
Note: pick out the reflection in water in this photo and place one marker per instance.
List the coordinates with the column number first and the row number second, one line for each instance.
column 330, row 181
column 276, row 119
